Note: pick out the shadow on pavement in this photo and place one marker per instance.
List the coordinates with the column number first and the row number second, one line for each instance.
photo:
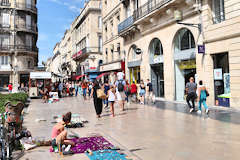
column 221, row 115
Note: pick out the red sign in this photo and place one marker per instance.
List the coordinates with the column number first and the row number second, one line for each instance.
column 77, row 54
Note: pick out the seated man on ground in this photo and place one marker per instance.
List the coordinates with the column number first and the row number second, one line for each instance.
column 59, row 135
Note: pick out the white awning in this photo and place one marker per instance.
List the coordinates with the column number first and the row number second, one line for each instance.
column 40, row 75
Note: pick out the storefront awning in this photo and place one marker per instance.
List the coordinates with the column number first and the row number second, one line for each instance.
column 103, row 74
column 77, row 77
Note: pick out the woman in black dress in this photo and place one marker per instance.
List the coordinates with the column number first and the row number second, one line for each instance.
column 97, row 101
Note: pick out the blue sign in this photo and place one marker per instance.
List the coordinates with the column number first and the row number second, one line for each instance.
column 201, row 49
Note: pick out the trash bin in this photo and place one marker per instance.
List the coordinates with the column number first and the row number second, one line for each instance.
column 224, row 100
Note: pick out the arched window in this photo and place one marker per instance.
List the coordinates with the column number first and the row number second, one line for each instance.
column 187, row 41
column 156, row 47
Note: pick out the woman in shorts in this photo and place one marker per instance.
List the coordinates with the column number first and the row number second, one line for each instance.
column 111, row 98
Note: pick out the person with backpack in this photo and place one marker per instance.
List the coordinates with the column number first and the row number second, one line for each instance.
column 121, row 96
column 127, row 90
column 202, row 97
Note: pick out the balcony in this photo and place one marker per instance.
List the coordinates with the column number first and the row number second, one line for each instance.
column 84, row 53
column 125, row 24
column 6, row 48
column 26, row 6
column 26, row 27
column 4, row 26
column 148, row 8
column 26, row 48
column 5, row 3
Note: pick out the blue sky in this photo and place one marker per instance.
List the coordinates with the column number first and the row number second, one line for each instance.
column 54, row 17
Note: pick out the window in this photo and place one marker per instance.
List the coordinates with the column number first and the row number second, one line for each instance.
column 28, row 3
column 100, row 43
column 187, row 41
column 28, row 21
column 29, row 64
column 119, row 50
column 4, row 60
column 218, row 11
column 4, row 40
column 128, row 11
column 29, row 40
column 99, row 22
column 106, row 52
column 100, row 5
column 156, row 48
column 6, row 20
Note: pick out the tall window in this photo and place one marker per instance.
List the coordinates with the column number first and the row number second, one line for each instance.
column 218, row 11
column 118, row 50
column 5, row 20
column 4, row 60
column 28, row 3
column 4, row 40
column 106, row 52
column 99, row 22
column 128, row 11
column 100, row 43
column 28, row 22
column 28, row 40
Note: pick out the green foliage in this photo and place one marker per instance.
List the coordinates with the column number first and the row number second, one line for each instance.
column 13, row 98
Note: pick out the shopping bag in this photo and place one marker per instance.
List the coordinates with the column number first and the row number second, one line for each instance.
column 101, row 94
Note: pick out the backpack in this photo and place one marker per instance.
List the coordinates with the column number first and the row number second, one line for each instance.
column 120, row 86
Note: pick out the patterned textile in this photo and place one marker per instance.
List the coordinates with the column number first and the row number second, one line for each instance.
column 106, row 155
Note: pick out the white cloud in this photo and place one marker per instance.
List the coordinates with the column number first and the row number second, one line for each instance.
column 72, row 5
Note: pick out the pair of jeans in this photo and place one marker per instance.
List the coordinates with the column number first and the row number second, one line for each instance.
column 202, row 101
column 84, row 92
column 76, row 91
column 105, row 101
column 191, row 97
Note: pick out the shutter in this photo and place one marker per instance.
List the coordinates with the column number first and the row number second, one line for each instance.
column 29, row 40
column 29, row 3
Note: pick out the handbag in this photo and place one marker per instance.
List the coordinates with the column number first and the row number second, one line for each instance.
column 207, row 94
column 101, row 94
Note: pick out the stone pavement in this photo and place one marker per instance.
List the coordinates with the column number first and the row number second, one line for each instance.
column 165, row 131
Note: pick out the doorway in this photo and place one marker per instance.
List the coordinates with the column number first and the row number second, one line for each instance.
column 157, row 77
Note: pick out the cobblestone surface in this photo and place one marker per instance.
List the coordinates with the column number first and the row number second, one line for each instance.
column 165, row 131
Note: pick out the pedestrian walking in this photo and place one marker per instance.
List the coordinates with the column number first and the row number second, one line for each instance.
column 127, row 90
column 90, row 88
column 142, row 92
column 202, row 97
column 97, row 101
column 134, row 91
column 10, row 87
column 111, row 98
column 191, row 88
column 121, row 96
column 84, row 89
column 76, row 88
column 149, row 91
column 106, row 89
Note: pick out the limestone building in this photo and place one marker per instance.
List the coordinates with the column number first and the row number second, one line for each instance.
column 87, row 40
column 113, row 13
column 168, row 52
column 18, row 38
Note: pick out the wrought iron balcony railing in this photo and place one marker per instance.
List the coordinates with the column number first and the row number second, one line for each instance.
column 125, row 24
column 148, row 7
column 27, row 27
column 27, row 6
column 11, row 48
column 6, row 47
column 2, row 25
column 5, row 3
column 83, row 52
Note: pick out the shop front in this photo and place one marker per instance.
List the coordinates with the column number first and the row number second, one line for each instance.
column 156, row 66
column 184, row 61
column 110, row 70
column 4, row 80
column 221, row 79
column 24, row 80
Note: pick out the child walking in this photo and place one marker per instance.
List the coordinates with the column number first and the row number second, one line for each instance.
column 111, row 98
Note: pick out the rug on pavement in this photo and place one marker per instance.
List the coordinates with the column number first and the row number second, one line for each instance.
column 92, row 143
column 106, row 154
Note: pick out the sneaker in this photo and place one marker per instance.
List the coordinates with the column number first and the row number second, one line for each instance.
column 191, row 110
column 199, row 111
column 207, row 111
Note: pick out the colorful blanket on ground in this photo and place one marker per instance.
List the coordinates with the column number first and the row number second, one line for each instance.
column 106, row 154
column 92, row 143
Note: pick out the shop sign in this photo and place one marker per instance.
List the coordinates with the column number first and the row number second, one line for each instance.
column 218, row 74
column 138, row 51
column 201, row 49
column 111, row 67
column 187, row 64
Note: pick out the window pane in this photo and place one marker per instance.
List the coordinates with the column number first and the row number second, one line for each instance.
column 185, row 41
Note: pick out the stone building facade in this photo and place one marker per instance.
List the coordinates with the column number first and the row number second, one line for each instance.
column 166, row 51
column 18, row 38
column 87, row 39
